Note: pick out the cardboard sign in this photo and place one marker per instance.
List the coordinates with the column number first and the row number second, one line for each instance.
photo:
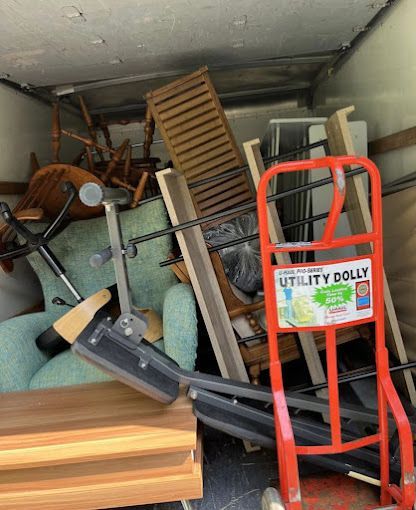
column 322, row 295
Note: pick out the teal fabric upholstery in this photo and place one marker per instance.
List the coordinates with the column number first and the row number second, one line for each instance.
column 23, row 366
column 179, row 323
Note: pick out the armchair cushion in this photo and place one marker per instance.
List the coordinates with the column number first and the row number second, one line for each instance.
column 20, row 359
column 180, row 325
column 66, row 369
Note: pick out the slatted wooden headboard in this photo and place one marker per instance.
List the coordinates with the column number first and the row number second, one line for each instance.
column 198, row 137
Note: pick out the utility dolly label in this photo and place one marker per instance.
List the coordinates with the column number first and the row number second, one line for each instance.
column 310, row 296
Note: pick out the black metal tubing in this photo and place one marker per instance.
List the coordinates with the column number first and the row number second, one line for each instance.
column 357, row 377
column 236, row 171
column 51, row 230
column 18, row 252
column 37, row 241
column 247, row 239
column 241, row 208
column 251, row 338
column 236, row 418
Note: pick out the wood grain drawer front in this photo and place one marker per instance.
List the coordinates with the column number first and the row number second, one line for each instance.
column 105, row 484
column 90, row 422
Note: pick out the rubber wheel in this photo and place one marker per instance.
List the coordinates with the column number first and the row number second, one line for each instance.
column 271, row 500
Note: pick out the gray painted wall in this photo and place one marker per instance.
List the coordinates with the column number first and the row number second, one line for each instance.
column 380, row 80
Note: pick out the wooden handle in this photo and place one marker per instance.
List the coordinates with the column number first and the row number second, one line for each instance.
column 86, row 141
column 106, row 131
column 56, row 132
column 246, row 309
column 127, row 164
column 90, row 124
column 90, row 160
column 139, row 190
column 114, row 161
column 33, row 214
column 118, row 182
column 71, row 325
column 149, row 129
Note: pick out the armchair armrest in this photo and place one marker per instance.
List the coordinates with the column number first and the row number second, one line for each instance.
column 20, row 359
column 180, row 332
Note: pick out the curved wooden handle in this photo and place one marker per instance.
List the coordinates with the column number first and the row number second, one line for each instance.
column 139, row 190
column 106, row 131
column 149, row 129
column 86, row 141
column 127, row 164
column 115, row 159
column 33, row 214
column 71, row 325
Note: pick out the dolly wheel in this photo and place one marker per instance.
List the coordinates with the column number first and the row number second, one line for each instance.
column 271, row 500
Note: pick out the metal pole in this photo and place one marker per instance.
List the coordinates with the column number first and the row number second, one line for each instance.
column 247, row 239
column 114, row 231
column 241, row 169
column 357, row 377
column 241, row 208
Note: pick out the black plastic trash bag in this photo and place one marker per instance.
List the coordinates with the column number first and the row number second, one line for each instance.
column 241, row 262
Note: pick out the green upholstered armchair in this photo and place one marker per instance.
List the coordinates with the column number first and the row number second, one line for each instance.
column 24, row 367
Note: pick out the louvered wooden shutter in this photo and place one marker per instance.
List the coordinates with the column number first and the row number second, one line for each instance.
column 198, row 137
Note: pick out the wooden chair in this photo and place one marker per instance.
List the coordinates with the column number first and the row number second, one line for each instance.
column 129, row 173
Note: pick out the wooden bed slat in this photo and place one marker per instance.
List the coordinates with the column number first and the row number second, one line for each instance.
column 172, row 103
column 218, row 199
column 213, row 164
column 207, row 192
column 177, row 112
column 191, row 135
column 198, row 153
column 186, row 128
column 197, row 141
column 178, row 86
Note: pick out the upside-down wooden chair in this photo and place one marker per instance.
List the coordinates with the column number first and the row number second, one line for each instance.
column 123, row 170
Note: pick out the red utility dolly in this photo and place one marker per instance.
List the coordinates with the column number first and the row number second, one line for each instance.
column 327, row 296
